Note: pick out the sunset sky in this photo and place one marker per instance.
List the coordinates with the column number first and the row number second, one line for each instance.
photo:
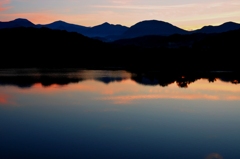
column 187, row 14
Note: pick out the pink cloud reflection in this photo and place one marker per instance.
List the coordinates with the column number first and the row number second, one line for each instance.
column 3, row 99
column 128, row 98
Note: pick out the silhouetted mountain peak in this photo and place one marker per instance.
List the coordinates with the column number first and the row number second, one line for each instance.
column 59, row 22
column 155, row 24
column 106, row 23
column 229, row 24
column 106, row 29
column 224, row 24
column 152, row 27
column 150, row 22
column 62, row 25
column 20, row 22
column 219, row 29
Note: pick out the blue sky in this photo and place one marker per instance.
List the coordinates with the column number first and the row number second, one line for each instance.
column 187, row 14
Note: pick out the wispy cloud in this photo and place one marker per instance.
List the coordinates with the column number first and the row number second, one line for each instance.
column 44, row 17
column 125, row 12
column 2, row 5
column 121, row 2
column 194, row 8
column 141, row 7
column 210, row 5
column 183, row 14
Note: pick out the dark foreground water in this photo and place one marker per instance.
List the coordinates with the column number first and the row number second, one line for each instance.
column 108, row 115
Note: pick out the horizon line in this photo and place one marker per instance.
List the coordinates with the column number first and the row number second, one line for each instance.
column 123, row 24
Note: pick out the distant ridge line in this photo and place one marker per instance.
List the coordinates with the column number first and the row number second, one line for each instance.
column 111, row 32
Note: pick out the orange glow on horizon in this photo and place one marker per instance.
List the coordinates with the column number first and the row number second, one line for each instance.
column 128, row 91
column 89, row 20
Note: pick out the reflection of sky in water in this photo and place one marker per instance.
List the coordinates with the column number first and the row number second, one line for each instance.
column 124, row 119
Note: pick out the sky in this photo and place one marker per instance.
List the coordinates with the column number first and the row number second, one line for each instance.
column 186, row 14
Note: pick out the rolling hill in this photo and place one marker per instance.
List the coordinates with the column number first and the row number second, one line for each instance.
column 152, row 27
column 228, row 26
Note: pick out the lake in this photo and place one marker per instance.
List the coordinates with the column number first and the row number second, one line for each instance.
column 118, row 115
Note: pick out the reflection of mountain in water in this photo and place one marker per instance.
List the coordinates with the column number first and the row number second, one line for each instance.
column 27, row 78
column 29, row 81
column 184, row 79
column 108, row 80
column 163, row 79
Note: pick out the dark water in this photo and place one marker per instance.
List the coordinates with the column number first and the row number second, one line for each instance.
column 107, row 114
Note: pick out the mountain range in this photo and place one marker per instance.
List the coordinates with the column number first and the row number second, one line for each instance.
column 109, row 32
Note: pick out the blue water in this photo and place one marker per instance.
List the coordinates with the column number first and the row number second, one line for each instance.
column 119, row 119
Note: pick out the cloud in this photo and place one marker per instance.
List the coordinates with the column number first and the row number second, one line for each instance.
column 198, row 6
column 127, row 12
column 195, row 14
column 121, row 2
column 233, row 98
column 183, row 10
column 40, row 17
column 2, row 5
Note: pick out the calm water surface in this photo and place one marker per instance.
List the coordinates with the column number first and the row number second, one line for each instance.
column 106, row 114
